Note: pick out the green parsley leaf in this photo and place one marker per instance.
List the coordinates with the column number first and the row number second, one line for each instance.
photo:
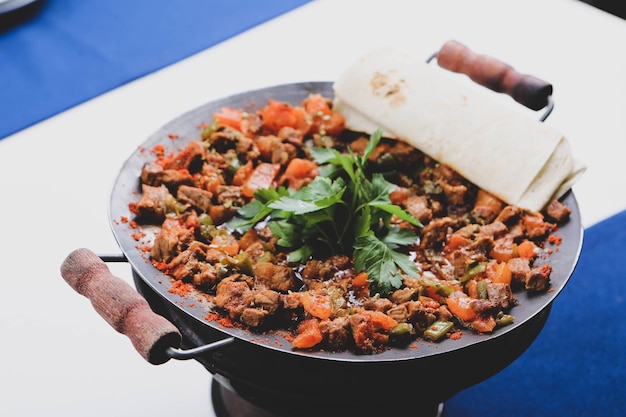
column 340, row 211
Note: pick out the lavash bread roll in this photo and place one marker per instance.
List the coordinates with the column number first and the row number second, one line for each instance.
column 507, row 153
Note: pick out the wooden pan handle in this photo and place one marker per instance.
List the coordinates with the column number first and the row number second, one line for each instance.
column 489, row 72
column 120, row 305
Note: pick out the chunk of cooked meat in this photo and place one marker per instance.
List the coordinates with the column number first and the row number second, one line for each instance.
column 197, row 197
column 154, row 203
column 234, row 297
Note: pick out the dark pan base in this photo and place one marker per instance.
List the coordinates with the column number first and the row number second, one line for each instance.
column 228, row 403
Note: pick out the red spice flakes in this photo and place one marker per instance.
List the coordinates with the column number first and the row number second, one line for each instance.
column 161, row 266
column 124, row 219
column 203, row 125
column 138, row 235
column 181, row 288
column 132, row 206
column 212, row 316
column 454, row 335
column 172, row 136
column 158, row 150
column 132, row 224
column 555, row 240
column 221, row 320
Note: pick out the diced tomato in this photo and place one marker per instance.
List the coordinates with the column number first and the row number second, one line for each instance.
column 263, row 176
column 499, row 272
column 399, row 195
column 332, row 125
column 299, row 172
column 460, row 306
column 484, row 324
column 278, row 114
column 218, row 214
column 309, row 335
column 471, row 288
column 503, row 249
column 360, row 280
column 243, row 173
column 316, row 104
column 455, row 241
column 317, row 303
column 526, row 249
column 228, row 116
column 226, row 242
column 381, row 320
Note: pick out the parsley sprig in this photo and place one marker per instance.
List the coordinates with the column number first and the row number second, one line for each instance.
column 340, row 211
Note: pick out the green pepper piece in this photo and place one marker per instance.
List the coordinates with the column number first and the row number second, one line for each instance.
column 481, row 289
column 472, row 270
column 439, row 287
column 401, row 328
column 438, row 329
column 240, row 262
column 504, row 319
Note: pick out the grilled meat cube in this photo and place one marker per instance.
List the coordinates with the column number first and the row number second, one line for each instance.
column 198, row 198
column 254, row 317
column 420, row 209
column 501, row 294
column 153, row 203
column 520, row 268
column 173, row 178
column 538, row 279
column 435, row 233
column 558, row 211
column 421, row 316
column 268, row 300
column 233, row 296
column 172, row 237
column 335, row 333
column 275, row 277
column 378, row 304
column 152, row 174
column 403, row 295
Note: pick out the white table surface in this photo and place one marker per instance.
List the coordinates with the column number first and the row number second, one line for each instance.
column 59, row 358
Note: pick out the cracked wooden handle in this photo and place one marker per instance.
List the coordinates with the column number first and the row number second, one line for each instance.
column 120, row 305
column 489, row 72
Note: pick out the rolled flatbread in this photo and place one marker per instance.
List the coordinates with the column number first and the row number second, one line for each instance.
column 509, row 154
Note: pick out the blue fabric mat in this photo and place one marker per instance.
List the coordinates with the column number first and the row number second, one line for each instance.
column 74, row 50
column 577, row 365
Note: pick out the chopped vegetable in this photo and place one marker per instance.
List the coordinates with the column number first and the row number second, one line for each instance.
column 317, row 303
column 263, row 176
column 438, row 329
column 299, row 172
column 526, row 249
column 460, row 305
column 228, row 116
column 309, row 335
column 278, row 114
column 381, row 320
column 484, row 324
column 500, row 273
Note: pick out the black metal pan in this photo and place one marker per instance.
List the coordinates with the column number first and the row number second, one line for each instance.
column 264, row 367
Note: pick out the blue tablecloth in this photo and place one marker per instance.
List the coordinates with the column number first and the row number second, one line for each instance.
column 64, row 56
column 577, row 365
